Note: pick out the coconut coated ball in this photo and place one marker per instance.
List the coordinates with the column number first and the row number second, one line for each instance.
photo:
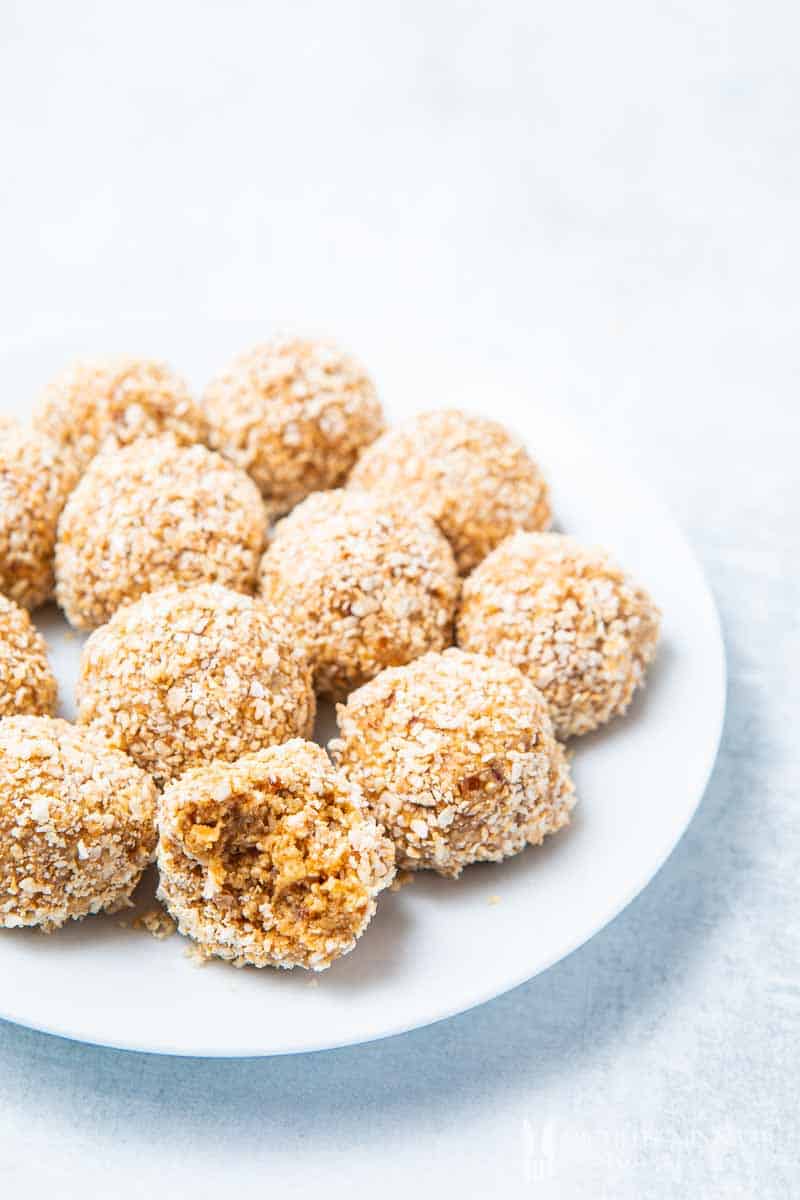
column 101, row 404
column 367, row 584
column 569, row 618
column 77, row 823
column 34, row 483
column 295, row 414
column 271, row 860
column 477, row 481
column 27, row 685
column 151, row 514
column 182, row 677
column 456, row 757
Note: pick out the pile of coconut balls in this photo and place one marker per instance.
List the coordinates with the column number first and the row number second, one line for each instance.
column 237, row 556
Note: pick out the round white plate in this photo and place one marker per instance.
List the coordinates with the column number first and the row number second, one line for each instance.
column 436, row 947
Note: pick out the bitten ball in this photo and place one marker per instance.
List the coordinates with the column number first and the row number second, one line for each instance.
column 77, row 823
column 295, row 414
column 367, row 584
column 104, row 403
column 477, row 481
column 34, row 483
column 569, row 618
column 271, row 860
column 27, row 684
column 151, row 514
column 182, row 677
column 456, row 756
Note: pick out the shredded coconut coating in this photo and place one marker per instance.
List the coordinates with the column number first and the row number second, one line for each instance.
column 105, row 403
column 34, row 483
column 477, row 481
column 185, row 676
column 368, row 584
column 77, row 823
column 151, row 514
column 295, row 414
column 456, row 756
column 27, row 685
column 272, row 860
column 569, row 618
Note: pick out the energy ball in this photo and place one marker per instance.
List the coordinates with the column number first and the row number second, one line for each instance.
column 182, row 677
column 477, row 481
column 295, row 414
column 569, row 618
column 27, row 685
column 271, row 860
column 77, row 823
column 367, row 583
column 456, row 757
column 100, row 404
column 34, row 483
column 151, row 514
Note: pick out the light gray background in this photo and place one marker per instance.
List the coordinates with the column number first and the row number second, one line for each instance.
column 604, row 196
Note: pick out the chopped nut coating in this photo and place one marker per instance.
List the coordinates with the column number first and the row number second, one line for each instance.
column 182, row 677
column 101, row 404
column 477, row 481
column 27, row 685
column 34, row 483
column 77, row 823
column 271, row 860
column 367, row 583
column 569, row 618
column 152, row 514
column 456, row 756
column 295, row 414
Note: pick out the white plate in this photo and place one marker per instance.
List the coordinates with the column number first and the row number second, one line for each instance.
column 437, row 947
